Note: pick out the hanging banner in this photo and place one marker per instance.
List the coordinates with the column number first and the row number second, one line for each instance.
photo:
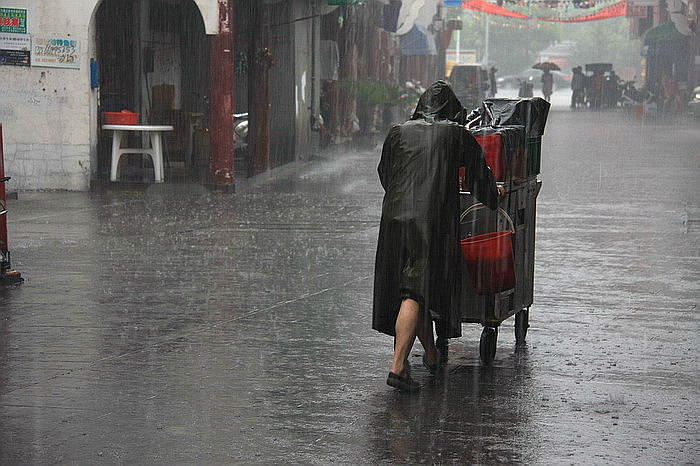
column 55, row 51
column 613, row 11
column 486, row 7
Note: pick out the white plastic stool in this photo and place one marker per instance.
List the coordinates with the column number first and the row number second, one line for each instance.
column 155, row 149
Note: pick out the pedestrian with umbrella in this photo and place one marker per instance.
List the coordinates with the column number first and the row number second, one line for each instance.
column 547, row 78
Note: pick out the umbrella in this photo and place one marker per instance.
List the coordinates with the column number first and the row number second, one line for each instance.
column 547, row 65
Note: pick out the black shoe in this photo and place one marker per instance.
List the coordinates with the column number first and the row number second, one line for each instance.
column 406, row 384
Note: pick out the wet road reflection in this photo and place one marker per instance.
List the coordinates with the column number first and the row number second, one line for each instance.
column 468, row 414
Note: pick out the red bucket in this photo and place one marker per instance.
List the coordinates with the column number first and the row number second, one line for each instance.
column 490, row 261
column 125, row 117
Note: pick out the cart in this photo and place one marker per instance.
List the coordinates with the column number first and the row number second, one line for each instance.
column 518, row 208
column 517, row 212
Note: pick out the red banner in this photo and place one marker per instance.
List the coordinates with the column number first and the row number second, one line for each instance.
column 486, row 7
column 613, row 11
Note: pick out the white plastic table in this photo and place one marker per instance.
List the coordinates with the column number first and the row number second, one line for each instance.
column 155, row 149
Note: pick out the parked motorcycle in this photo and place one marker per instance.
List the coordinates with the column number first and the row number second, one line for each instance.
column 643, row 101
column 694, row 103
column 240, row 130
column 612, row 91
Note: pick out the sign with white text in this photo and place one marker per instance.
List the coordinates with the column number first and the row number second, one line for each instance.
column 55, row 51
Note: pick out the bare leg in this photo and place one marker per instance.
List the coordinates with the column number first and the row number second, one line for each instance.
column 406, row 326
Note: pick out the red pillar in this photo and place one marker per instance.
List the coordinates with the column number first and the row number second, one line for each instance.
column 221, row 99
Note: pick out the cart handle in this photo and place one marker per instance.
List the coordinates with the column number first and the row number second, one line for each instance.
column 480, row 205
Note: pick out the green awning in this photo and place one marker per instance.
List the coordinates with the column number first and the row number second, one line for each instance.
column 665, row 32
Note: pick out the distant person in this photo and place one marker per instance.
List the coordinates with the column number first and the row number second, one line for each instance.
column 596, row 98
column 547, row 85
column 611, row 87
column 586, row 89
column 670, row 101
column 417, row 275
column 577, row 87
column 492, row 81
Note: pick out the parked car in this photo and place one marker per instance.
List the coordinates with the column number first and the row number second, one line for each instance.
column 694, row 103
column 561, row 80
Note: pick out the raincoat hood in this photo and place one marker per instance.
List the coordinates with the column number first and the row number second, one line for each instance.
column 439, row 102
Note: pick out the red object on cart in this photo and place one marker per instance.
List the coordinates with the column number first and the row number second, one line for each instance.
column 489, row 256
column 492, row 144
column 490, row 261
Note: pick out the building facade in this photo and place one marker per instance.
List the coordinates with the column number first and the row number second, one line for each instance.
column 50, row 107
column 189, row 64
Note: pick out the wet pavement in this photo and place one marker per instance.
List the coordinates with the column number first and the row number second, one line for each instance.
column 175, row 326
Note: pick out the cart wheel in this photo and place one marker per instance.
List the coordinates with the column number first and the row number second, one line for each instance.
column 521, row 325
column 487, row 344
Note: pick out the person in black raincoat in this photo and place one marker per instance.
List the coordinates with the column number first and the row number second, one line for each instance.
column 419, row 267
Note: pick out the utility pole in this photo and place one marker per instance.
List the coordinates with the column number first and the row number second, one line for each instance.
column 221, row 100
column 458, row 40
column 485, row 58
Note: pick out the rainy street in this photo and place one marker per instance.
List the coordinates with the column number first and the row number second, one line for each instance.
column 172, row 325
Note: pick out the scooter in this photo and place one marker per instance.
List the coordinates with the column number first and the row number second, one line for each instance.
column 240, row 131
column 643, row 101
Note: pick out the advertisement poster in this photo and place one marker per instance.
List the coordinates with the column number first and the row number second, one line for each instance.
column 13, row 20
column 15, row 49
column 55, row 51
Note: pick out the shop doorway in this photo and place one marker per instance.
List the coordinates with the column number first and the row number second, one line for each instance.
column 153, row 60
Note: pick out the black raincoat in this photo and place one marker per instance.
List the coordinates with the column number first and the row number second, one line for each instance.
column 418, row 252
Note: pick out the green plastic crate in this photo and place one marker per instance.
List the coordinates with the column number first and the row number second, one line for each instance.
column 534, row 155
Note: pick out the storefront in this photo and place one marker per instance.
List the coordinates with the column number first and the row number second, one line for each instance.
column 84, row 57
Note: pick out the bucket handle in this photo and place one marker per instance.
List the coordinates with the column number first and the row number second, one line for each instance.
column 480, row 205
